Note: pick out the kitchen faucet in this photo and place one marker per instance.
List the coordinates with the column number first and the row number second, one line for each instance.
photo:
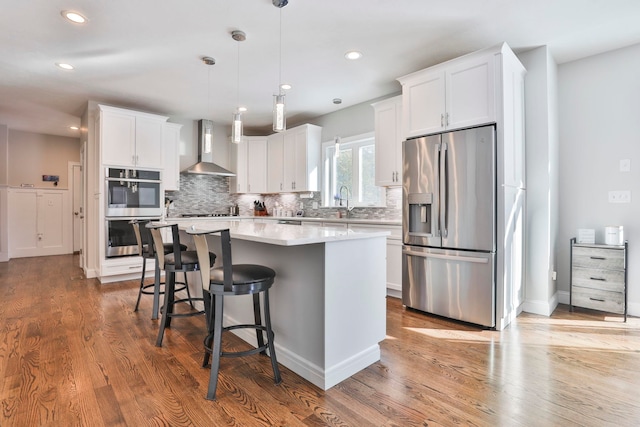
column 344, row 187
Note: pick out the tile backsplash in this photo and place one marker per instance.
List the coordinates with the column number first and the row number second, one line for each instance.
column 210, row 194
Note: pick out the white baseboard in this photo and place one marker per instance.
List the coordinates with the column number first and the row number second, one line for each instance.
column 541, row 307
column 4, row 256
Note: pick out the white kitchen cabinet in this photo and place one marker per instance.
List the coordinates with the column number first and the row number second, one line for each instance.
column 256, row 164
column 389, row 137
column 238, row 183
column 171, row 156
column 131, row 139
column 453, row 95
column 302, row 158
column 40, row 222
column 394, row 255
column 275, row 163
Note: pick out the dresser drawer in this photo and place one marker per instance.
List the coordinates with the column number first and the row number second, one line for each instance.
column 600, row 258
column 595, row 299
column 595, row 278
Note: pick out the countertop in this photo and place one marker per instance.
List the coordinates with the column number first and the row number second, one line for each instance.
column 300, row 218
column 273, row 233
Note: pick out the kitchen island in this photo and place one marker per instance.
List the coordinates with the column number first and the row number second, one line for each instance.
column 328, row 306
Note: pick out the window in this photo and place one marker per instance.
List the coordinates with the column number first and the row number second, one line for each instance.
column 351, row 168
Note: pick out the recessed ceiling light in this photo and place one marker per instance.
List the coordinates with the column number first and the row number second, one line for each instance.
column 74, row 127
column 285, row 86
column 64, row 66
column 353, row 54
column 73, row 16
column 337, row 101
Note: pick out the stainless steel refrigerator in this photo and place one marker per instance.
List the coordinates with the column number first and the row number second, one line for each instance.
column 449, row 225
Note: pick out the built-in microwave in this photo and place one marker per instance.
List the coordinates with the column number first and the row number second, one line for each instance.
column 133, row 193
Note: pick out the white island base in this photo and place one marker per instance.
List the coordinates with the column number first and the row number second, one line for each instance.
column 328, row 307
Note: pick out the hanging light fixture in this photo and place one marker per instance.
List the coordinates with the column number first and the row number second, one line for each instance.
column 279, row 113
column 236, row 127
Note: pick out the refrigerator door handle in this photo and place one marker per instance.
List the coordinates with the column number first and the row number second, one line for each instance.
column 445, row 192
column 437, row 186
column 447, row 257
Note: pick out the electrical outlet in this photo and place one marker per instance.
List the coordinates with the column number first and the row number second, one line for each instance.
column 554, row 275
column 620, row 196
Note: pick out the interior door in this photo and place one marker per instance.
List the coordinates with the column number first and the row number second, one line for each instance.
column 467, row 188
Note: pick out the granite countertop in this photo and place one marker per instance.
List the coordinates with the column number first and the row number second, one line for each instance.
column 273, row 233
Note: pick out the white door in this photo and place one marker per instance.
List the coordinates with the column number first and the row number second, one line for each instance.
column 78, row 211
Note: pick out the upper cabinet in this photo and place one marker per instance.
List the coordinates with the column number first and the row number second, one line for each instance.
column 453, row 95
column 288, row 161
column 171, row 156
column 131, row 139
column 302, row 158
column 389, row 137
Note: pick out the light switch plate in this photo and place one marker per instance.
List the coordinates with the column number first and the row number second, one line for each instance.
column 625, row 165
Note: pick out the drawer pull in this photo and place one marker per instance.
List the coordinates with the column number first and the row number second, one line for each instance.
column 598, row 278
column 596, row 299
column 598, row 257
column 133, row 267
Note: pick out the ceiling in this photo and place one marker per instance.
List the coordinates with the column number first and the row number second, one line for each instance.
column 146, row 54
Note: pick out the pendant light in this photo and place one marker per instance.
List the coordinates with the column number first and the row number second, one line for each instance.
column 236, row 126
column 279, row 113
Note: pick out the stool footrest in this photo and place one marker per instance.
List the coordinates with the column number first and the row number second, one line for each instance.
column 259, row 349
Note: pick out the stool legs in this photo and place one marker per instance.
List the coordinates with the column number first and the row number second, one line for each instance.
column 144, row 267
column 167, row 309
column 270, row 336
column 216, row 349
column 156, row 292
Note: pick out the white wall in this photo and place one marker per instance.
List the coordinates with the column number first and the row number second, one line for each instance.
column 542, row 172
column 599, row 113
column 4, row 201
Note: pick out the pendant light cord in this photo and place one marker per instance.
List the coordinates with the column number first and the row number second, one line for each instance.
column 280, row 57
column 238, row 85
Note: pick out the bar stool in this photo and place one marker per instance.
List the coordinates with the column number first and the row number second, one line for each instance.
column 177, row 261
column 230, row 280
column 146, row 251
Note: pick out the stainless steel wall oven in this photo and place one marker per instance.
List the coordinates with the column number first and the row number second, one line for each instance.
column 120, row 240
column 133, row 193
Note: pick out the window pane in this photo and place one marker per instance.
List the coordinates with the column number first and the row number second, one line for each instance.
column 344, row 169
column 367, row 176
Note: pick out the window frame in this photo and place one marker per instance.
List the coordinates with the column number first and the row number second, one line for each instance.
column 355, row 142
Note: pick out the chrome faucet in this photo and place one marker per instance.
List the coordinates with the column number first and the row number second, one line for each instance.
column 344, row 187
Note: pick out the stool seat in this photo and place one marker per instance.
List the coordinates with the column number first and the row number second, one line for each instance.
column 230, row 280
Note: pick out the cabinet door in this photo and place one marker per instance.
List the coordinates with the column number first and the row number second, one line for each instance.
column 295, row 160
column 424, row 104
column 238, row 183
column 149, row 143
column 275, row 163
column 257, row 165
column 50, row 222
column 171, row 156
column 117, row 138
column 23, row 223
column 470, row 93
column 388, row 116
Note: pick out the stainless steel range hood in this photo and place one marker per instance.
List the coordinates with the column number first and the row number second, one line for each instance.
column 205, row 165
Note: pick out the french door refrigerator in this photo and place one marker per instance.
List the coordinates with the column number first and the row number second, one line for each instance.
column 449, row 225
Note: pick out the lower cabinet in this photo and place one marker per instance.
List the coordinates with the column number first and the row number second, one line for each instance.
column 599, row 277
column 39, row 222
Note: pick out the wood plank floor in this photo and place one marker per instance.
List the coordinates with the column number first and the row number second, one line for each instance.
column 73, row 353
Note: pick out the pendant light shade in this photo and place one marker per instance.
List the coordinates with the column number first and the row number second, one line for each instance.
column 279, row 116
column 279, row 112
column 236, row 125
column 236, row 128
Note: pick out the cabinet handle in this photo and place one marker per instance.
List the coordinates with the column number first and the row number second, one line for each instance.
column 596, row 299
column 441, row 120
column 447, row 119
column 598, row 278
column 280, row 186
column 601, row 258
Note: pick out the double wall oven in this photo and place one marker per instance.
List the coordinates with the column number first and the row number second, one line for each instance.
column 129, row 194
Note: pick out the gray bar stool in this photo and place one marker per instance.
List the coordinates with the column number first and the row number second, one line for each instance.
column 177, row 261
column 146, row 251
column 230, row 280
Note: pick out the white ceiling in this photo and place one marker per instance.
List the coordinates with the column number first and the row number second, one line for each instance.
column 146, row 54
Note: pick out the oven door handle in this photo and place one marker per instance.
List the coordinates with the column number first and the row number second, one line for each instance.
column 447, row 257
column 150, row 181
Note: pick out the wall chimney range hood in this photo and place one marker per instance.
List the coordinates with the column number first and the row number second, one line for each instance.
column 205, row 165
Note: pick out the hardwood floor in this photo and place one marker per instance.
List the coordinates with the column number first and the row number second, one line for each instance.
column 73, row 353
